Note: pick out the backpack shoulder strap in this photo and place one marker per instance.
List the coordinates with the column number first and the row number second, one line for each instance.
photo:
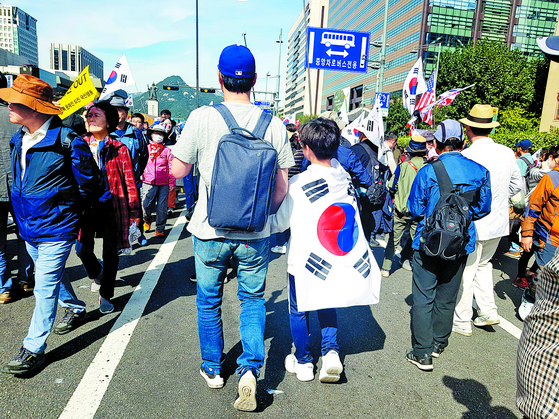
column 262, row 125
column 412, row 165
column 445, row 184
column 227, row 115
column 369, row 151
column 530, row 165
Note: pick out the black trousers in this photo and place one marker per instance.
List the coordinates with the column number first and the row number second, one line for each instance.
column 434, row 290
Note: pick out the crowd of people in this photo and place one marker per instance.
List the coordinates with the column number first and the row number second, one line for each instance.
column 440, row 207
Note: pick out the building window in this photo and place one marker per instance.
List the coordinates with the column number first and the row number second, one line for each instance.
column 56, row 60
column 330, row 103
column 355, row 97
column 64, row 60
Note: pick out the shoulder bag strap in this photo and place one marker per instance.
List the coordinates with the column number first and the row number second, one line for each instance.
column 227, row 115
column 412, row 165
column 445, row 184
column 262, row 125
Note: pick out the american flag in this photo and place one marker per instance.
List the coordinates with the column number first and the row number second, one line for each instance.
column 428, row 98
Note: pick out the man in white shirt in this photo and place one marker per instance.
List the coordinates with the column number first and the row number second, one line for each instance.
column 477, row 279
column 214, row 247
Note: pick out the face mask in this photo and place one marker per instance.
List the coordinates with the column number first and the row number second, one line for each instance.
column 156, row 138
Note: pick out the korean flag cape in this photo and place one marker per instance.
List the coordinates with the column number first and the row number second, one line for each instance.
column 328, row 254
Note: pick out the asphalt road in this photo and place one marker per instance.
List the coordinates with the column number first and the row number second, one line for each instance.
column 120, row 366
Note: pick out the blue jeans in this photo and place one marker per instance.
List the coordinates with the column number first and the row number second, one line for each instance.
column 299, row 322
column 153, row 194
column 25, row 265
column 51, row 284
column 543, row 256
column 211, row 260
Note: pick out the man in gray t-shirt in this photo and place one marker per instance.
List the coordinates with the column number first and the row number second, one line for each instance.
column 213, row 248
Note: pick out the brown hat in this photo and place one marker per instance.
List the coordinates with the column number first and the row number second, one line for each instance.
column 31, row 92
column 481, row 116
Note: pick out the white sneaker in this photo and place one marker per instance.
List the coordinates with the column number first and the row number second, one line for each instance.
column 305, row 372
column 331, row 368
column 247, row 393
column 462, row 330
column 95, row 287
column 487, row 320
column 525, row 309
column 279, row 249
column 406, row 265
column 385, row 273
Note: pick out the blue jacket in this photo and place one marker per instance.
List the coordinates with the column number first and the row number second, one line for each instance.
column 351, row 163
column 136, row 142
column 463, row 172
column 58, row 184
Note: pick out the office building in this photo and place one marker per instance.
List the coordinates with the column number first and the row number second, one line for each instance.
column 298, row 99
column 420, row 26
column 74, row 58
column 18, row 33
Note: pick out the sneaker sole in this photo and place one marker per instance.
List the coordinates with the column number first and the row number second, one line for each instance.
column 329, row 376
column 210, row 384
column 460, row 332
column 247, row 397
column 488, row 323
column 420, row 366
column 7, row 370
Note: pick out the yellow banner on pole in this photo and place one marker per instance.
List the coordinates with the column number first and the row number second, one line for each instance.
column 80, row 93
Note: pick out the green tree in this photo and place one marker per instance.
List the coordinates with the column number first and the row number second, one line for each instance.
column 505, row 79
column 397, row 118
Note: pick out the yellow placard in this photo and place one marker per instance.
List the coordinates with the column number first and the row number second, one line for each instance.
column 80, row 93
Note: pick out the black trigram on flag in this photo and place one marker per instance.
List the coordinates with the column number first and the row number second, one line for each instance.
column 363, row 265
column 316, row 189
column 318, row 266
column 117, row 65
column 123, row 78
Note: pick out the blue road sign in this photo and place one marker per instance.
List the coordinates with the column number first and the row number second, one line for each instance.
column 267, row 110
column 261, row 103
column 384, row 99
column 336, row 49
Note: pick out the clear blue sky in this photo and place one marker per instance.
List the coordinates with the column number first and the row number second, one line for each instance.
column 158, row 38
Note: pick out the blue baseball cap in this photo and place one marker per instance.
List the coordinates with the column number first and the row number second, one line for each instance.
column 449, row 128
column 524, row 144
column 237, row 61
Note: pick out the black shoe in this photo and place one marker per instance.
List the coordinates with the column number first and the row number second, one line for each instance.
column 424, row 363
column 69, row 321
column 437, row 350
column 23, row 362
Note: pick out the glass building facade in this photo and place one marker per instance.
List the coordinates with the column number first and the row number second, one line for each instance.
column 421, row 25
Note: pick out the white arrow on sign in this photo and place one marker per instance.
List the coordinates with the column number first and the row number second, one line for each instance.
column 330, row 53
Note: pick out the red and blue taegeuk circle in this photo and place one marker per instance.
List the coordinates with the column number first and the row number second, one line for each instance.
column 111, row 78
column 337, row 229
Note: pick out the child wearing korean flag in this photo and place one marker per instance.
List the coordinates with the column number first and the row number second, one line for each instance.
column 329, row 261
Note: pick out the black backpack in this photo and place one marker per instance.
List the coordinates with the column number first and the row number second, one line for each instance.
column 530, row 166
column 376, row 193
column 445, row 233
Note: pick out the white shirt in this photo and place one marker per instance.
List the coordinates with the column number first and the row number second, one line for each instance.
column 506, row 181
column 29, row 140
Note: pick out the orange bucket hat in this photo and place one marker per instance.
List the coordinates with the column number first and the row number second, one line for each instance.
column 32, row 92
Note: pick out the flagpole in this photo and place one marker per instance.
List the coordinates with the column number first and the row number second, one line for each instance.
column 436, row 77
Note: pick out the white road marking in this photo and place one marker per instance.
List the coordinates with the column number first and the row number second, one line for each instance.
column 509, row 327
column 88, row 395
